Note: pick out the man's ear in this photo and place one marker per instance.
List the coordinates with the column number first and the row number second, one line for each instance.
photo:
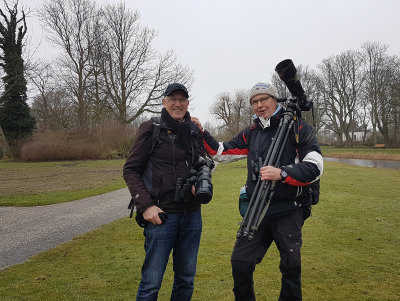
column 163, row 102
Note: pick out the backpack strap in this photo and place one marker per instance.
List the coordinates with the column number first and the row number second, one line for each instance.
column 156, row 132
column 154, row 138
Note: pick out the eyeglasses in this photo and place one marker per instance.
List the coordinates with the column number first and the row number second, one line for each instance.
column 175, row 100
column 261, row 101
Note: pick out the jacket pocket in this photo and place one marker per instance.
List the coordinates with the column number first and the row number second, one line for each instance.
column 285, row 192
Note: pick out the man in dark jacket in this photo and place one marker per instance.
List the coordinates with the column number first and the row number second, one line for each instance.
column 171, row 216
column 301, row 164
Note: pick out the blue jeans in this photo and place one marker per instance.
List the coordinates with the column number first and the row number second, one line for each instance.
column 180, row 233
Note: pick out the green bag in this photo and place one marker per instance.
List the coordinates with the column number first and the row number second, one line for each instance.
column 243, row 201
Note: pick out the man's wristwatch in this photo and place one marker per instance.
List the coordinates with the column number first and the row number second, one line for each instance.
column 283, row 175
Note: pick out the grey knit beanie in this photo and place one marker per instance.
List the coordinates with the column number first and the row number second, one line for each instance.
column 263, row 88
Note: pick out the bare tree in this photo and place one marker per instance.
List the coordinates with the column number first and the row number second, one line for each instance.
column 52, row 107
column 100, row 105
column 362, row 117
column 72, row 25
column 218, row 132
column 280, row 86
column 223, row 109
column 54, row 110
column 41, row 75
column 135, row 75
column 308, row 79
column 395, row 96
column 389, row 115
column 340, row 83
column 4, row 148
column 126, row 52
column 166, row 70
column 374, row 54
column 234, row 112
column 245, row 113
column 381, row 88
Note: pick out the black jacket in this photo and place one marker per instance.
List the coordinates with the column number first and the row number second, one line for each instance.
column 301, row 160
column 151, row 174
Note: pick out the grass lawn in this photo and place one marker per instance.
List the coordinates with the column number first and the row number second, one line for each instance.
column 361, row 153
column 43, row 183
column 350, row 249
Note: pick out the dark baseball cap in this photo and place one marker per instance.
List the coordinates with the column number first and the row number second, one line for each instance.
column 175, row 87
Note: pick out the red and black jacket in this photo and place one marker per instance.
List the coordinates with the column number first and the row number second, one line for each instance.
column 301, row 160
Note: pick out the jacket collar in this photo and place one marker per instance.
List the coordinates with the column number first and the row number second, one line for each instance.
column 272, row 120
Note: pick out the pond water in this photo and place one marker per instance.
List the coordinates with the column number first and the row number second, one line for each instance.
column 367, row 163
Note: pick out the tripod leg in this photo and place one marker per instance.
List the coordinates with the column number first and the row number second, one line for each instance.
column 275, row 151
column 262, row 213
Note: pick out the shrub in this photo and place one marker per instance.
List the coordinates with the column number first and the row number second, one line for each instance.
column 108, row 141
column 115, row 139
column 52, row 146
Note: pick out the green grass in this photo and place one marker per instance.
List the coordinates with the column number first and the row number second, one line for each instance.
column 350, row 249
column 43, row 183
column 361, row 152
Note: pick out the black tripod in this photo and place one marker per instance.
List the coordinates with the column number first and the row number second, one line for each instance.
column 264, row 190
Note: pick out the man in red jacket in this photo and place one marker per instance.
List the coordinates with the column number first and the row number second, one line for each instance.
column 300, row 165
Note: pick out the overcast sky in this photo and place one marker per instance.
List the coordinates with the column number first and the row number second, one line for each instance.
column 234, row 44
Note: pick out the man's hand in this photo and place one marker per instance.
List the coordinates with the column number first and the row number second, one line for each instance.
column 197, row 122
column 270, row 173
column 151, row 215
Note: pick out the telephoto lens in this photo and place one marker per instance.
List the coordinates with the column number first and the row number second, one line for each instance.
column 287, row 72
column 204, row 187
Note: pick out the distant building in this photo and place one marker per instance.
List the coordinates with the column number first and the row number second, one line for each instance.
column 327, row 136
column 358, row 135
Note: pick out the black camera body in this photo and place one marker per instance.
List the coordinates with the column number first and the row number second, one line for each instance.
column 200, row 176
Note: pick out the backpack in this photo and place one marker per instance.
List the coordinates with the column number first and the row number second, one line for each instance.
column 154, row 139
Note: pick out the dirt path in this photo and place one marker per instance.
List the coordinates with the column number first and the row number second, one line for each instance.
column 26, row 231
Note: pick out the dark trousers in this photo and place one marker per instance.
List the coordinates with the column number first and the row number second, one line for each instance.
column 286, row 232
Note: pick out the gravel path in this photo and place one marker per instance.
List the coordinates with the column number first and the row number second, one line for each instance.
column 26, row 231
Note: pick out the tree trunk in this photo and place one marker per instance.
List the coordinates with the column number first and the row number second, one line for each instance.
column 5, row 149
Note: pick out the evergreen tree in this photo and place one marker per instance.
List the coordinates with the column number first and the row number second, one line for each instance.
column 15, row 117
